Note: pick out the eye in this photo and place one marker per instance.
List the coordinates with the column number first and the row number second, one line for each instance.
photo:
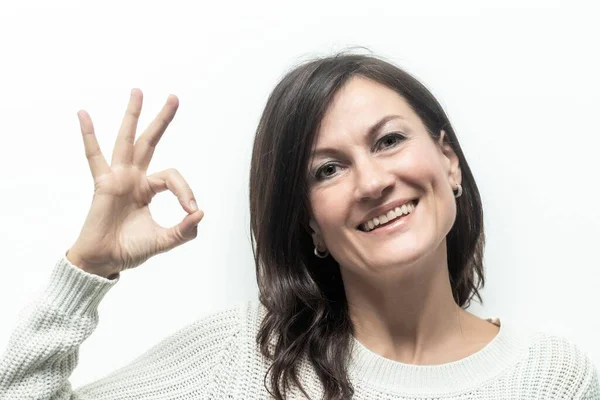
column 389, row 140
column 326, row 171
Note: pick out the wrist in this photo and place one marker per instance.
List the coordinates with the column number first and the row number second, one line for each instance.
column 80, row 263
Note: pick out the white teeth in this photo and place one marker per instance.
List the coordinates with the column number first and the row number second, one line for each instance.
column 389, row 216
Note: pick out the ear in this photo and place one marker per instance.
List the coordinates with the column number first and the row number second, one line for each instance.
column 454, row 173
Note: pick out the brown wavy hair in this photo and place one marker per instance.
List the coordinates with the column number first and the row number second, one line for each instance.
column 306, row 309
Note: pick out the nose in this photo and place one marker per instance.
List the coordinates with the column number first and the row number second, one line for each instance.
column 372, row 179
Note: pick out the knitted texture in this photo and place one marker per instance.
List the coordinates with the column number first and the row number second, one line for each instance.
column 217, row 358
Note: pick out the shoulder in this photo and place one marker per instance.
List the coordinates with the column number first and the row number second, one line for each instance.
column 238, row 323
column 231, row 321
column 208, row 352
column 558, row 365
column 209, row 332
column 219, row 339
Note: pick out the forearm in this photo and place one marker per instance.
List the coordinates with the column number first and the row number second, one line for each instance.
column 44, row 348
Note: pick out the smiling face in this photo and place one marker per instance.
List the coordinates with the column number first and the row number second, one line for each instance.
column 372, row 154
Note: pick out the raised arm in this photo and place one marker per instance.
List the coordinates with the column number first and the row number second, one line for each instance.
column 118, row 234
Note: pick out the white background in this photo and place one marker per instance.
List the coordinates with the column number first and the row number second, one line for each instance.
column 519, row 80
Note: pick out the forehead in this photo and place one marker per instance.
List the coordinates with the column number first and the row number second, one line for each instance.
column 361, row 103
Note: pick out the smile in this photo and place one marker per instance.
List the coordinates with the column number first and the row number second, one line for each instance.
column 398, row 213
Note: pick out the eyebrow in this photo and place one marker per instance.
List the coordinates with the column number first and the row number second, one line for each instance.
column 370, row 133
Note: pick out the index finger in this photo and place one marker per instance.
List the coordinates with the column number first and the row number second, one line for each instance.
column 97, row 162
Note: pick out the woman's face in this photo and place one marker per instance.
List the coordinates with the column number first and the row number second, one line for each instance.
column 372, row 155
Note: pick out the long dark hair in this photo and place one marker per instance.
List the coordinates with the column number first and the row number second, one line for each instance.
column 306, row 310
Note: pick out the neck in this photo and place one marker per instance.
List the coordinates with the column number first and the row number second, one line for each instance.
column 409, row 316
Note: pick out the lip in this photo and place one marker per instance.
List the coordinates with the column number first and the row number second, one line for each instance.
column 384, row 209
column 396, row 225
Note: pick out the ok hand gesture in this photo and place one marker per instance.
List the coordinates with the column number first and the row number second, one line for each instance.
column 119, row 232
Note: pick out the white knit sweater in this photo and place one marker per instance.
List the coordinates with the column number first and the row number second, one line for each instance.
column 217, row 358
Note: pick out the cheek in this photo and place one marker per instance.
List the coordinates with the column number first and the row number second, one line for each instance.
column 328, row 210
column 426, row 169
column 421, row 167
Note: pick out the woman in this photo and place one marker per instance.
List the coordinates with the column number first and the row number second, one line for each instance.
column 368, row 241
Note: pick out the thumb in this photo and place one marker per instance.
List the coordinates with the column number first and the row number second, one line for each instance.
column 181, row 233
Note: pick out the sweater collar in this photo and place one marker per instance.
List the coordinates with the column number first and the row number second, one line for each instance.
column 377, row 372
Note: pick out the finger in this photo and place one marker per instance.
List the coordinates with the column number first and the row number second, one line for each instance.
column 123, row 151
column 172, row 180
column 96, row 161
column 181, row 233
column 146, row 143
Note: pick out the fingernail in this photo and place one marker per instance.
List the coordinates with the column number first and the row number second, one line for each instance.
column 193, row 205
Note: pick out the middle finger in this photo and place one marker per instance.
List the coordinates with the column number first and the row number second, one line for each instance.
column 123, row 151
column 146, row 143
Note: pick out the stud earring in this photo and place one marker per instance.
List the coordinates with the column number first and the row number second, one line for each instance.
column 321, row 255
column 460, row 190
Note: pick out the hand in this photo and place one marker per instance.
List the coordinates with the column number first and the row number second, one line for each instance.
column 119, row 232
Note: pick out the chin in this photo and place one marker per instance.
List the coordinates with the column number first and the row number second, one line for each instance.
column 398, row 255
column 387, row 267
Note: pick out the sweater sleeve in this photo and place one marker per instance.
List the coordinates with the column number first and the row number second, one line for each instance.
column 43, row 349
column 592, row 391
